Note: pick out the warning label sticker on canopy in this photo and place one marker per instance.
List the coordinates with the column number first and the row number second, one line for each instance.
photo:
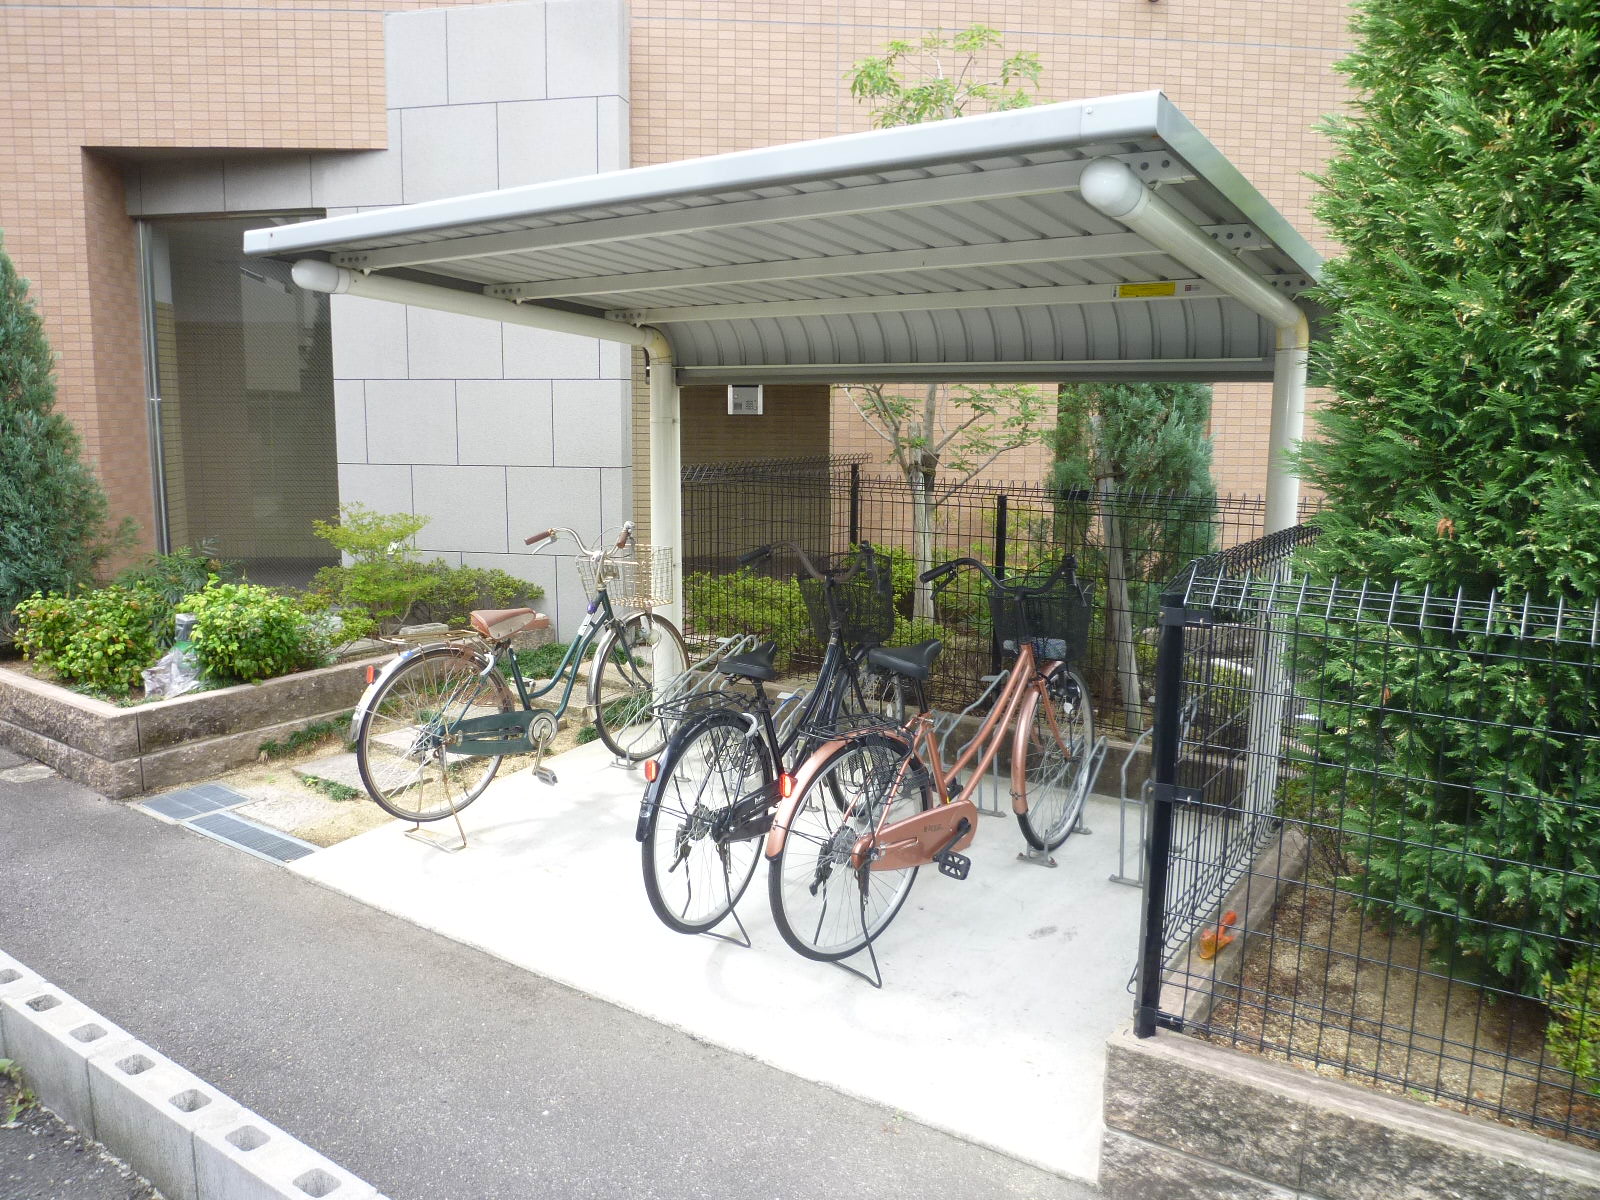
column 1143, row 291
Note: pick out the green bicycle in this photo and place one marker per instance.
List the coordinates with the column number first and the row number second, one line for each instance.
column 433, row 726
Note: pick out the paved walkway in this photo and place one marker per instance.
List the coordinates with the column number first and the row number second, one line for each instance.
column 999, row 993
column 429, row 1068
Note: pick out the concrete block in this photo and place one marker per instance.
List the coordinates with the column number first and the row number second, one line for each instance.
column 369, row 338
column 445, row 345
column 539, row 354
column 593, row 422
column 496, row 52
column 14, row 979
column 612, row 148
column 367, row 178
column 504, row 422
column 148, row 1110
column 411, row 421
column 467, row 506
column 587, row 47
column 541, row 140
column 266, row 182
column 384, row 489
column 415, row 59
column 251, row 1159
column 182, row 186
column 350, row 420
column 1223, row 1118
column 448, row 151
column 1131, row 1169
column 53, row 1038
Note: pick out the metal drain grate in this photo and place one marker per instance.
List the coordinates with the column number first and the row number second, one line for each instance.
column 194, row 801
column 250, row 837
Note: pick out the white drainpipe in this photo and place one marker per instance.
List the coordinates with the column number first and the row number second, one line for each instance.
column 666, row 496
column 1113, row 189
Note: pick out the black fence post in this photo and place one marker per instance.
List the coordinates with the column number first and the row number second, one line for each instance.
column 1164, row 750
column 1002, row 532
column 855, row 504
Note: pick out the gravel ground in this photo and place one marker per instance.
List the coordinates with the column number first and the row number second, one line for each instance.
column 43, row 1159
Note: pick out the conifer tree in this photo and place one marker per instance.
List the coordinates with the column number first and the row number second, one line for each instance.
column 1462, row 442
column 1461, row 449
column 52, row 509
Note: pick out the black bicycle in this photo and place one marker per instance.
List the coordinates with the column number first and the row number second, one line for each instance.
column 710, row 797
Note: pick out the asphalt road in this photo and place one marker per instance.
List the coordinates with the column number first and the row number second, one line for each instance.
column 428, row 1068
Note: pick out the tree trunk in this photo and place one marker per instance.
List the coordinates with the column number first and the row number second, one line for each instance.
column 1119, row 609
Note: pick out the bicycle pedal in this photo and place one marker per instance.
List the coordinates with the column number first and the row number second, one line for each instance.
column 545, row 775
column 952, row 864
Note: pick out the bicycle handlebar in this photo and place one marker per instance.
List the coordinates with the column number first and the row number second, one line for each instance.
column 834, row 575
column 1067, row 566
column 597, row 550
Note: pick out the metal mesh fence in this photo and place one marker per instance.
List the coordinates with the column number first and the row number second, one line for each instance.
column 1375, row 835
column 1128, row 545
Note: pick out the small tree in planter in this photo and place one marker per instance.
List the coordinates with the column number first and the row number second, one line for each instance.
column 53, row 512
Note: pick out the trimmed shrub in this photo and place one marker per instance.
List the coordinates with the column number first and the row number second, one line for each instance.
column 744, row 602
column 244, row 632
column 100, row 639
column 384, row 580
column 1573, row 1037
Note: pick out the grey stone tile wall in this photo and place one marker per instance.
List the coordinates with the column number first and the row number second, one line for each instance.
column 1186, row 1120
column 491, row 431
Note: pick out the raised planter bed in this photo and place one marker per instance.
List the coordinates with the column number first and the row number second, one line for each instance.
column 121, row 752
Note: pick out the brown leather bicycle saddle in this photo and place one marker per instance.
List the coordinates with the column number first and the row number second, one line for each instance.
column 498, row 624
column 914, row 662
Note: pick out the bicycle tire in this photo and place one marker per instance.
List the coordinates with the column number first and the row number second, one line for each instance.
column 1052, row 786
column 820, row 838
column 714, row 758
column 400, row 751
column 623, row 718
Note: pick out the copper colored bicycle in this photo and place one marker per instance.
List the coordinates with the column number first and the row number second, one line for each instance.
column 875, row 803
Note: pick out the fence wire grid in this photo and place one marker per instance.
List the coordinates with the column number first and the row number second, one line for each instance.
column 1128, row 545
column 1376, row 836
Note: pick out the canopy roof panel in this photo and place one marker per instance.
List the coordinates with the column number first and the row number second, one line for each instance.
column 960, row 249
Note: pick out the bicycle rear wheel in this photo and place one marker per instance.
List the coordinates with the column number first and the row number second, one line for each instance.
column 639, row 658
column 402, row 743
column 1054, row 746
column 825, row 906
column 692, row 875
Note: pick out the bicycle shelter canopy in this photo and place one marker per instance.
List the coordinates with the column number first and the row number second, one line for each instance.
column 1098, row 239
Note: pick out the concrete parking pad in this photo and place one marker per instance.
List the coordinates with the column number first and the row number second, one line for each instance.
column 999, row 991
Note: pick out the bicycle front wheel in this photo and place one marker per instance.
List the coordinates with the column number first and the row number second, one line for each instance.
column 826, row 903
column 692, row 874
column 638, row 660
column 403, row 741
column 1054, row 747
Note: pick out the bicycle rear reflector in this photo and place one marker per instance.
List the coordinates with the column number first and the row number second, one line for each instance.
column 786, row 785
column 652, row 768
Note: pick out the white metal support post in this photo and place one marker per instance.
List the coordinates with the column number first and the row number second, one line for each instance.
column 666, row 466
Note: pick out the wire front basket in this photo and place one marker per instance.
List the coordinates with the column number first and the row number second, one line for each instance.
column 643, row 580
column 865, row 606
column 1055, row 622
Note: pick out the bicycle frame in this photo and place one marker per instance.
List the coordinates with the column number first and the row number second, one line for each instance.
column 914, row 840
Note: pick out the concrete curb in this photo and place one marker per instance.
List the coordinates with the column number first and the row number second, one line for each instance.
column 187, row 1138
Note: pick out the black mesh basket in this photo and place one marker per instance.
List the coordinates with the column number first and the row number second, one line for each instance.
column 865, row 605
column 1056, row 622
